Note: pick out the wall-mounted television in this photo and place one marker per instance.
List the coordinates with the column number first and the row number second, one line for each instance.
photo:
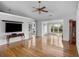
column 13, row 27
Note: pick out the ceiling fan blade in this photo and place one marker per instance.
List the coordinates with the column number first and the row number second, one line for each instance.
column 43, row 7
column 35, row 10
column 44, row 10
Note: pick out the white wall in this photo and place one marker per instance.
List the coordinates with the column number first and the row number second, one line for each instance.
column 5, row 16
column 38, row 28
column 77, row 29
column 66, row 29
column 44, row 28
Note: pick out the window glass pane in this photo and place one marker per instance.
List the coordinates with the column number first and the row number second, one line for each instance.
column 52, row 29
column 60, row 29
column 55, row 29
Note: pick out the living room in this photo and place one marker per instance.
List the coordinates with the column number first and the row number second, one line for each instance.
column 39, row 28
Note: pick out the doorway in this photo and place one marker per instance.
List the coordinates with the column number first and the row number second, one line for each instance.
column 72, row 32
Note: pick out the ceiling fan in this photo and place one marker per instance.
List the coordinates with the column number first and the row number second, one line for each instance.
column 40, row 9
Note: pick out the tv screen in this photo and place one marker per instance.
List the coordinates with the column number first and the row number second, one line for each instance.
column 13, row 27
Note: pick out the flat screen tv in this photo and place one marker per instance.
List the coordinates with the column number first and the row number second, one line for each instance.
column 13, row 27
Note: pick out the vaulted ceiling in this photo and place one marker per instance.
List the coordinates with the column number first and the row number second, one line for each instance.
column 56, row 9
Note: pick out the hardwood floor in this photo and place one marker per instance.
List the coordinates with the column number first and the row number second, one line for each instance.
column 46, row 46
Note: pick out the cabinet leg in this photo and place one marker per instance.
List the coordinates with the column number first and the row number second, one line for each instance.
column 7, row 42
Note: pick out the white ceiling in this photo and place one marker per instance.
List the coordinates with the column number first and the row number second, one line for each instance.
column 58, row 9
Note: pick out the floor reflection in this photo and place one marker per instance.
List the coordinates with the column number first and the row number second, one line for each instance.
column 46, row 40
column 49, row 42
column 32, row 41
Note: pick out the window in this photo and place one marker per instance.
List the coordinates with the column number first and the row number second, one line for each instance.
column 57, row 28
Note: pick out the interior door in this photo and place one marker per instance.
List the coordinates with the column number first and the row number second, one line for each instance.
column 72, row 31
